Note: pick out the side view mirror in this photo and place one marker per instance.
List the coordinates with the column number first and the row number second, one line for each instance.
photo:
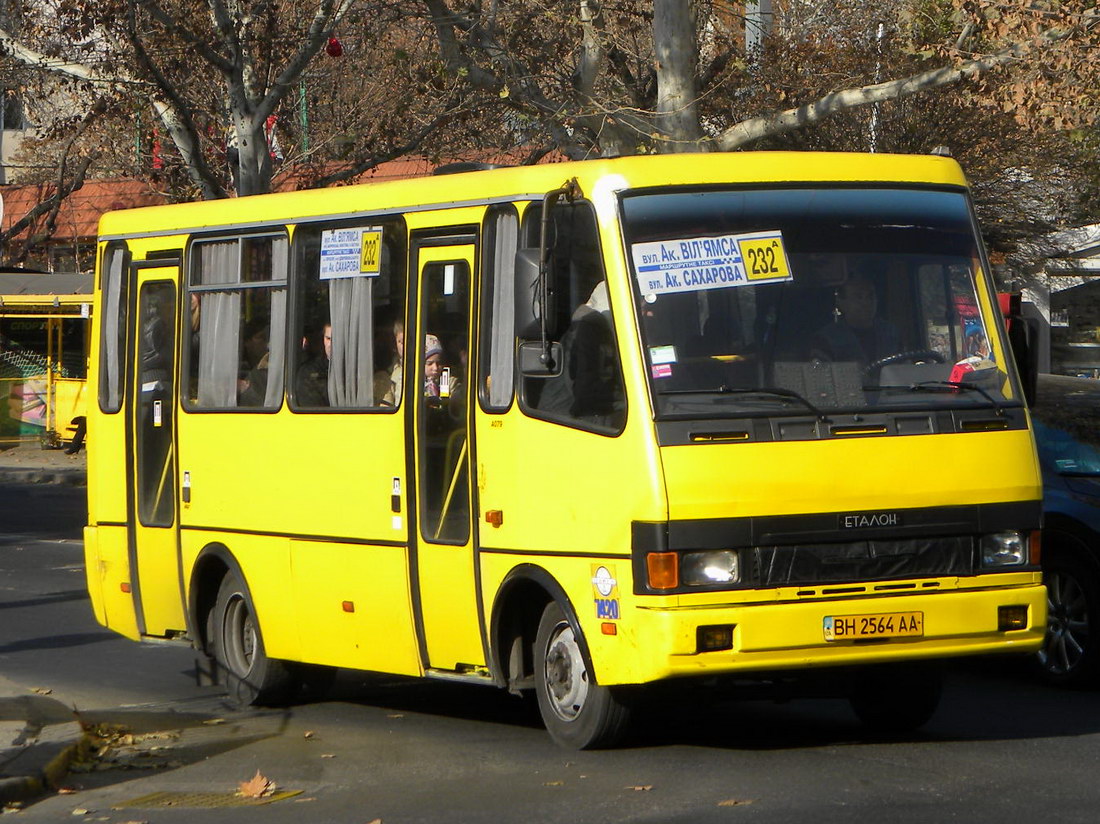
column 531, row 363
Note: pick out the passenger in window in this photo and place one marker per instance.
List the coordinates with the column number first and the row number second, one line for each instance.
column 312, row 380
column 387, row 382
column 433, row 366
column 856, row 332
column 252, row 379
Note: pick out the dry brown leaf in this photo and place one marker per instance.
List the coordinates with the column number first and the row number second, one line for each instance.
column 553, row 783
column 66, row 791
column 328, row 755
column 641, row 788
column 213, row 722
column 307, row 734
column 41, row 690
column 256, row 787
column 734, row 802
column 376, row 821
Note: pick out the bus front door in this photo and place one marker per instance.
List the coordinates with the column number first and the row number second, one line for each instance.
column 151, row 486
column 445, row 592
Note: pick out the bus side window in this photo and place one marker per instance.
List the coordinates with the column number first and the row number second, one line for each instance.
column 349, row 320
column 588, row 390
column 112, row 353
column 498, row 338
column 237, row 300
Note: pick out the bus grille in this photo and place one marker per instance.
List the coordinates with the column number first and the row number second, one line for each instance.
column 836, row 563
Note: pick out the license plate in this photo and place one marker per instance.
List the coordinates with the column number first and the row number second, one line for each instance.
column 874, row 625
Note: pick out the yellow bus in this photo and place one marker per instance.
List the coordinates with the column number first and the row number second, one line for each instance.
column 44, row 320
column 574, row 428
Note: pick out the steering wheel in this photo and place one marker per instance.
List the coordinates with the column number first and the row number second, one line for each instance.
column 916, row 356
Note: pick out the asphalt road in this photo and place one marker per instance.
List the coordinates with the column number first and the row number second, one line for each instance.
column 1002, row 747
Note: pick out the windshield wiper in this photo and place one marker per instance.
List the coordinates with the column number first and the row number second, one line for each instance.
column 942, row 386
column 760, row 390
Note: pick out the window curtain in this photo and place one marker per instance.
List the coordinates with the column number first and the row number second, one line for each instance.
column 219, row 326
column 351, row 369
column 276, row 353
column 502, row 345
column 114, row 325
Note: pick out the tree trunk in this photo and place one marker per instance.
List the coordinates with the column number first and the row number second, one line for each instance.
column 677, row 97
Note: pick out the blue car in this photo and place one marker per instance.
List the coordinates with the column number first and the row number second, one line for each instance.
column 1067, row 428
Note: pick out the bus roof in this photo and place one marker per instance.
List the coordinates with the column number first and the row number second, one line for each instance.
column 530, row 182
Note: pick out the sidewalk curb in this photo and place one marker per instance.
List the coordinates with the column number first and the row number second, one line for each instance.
column 44, row 764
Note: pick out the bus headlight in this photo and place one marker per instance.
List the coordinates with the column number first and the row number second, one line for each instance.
column 1002, row 549
column 720, row 566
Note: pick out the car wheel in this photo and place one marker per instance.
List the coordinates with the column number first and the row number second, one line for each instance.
column 1069, row 656
column 237, row 647
column 578, row 713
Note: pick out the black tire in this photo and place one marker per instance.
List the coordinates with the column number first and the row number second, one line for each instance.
column 578, row 713
column 894, row 700
column 1069, row 655
column 237, row 647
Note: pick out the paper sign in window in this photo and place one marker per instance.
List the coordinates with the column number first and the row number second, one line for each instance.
column 351, row 253
column 696, row 263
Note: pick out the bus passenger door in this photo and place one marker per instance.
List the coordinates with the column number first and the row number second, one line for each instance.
column 151, row 456
column 444, row 576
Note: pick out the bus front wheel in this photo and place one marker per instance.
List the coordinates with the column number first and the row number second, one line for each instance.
column 238, row 648
column 897, row 699
column 578, row 713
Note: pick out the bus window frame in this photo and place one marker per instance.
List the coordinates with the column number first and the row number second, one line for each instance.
column 121, row 319
column 188, row 270
column 489, row 278
column 295, row 322
column 529, row 229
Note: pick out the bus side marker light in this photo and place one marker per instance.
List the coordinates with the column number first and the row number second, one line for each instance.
column 348, row 606
column 1011, row 617
column 663, row 570
column 494, row 517
column 609, row 628
column 125, row 587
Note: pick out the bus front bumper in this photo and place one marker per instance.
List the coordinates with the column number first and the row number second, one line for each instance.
column 804, row 635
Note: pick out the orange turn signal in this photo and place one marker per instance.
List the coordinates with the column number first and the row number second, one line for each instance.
column 1034, row 547
column 663, row 570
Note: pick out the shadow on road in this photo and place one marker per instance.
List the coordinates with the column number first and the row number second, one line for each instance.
column 22, row 505
column 983, row 701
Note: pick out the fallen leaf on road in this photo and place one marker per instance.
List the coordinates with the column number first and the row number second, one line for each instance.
column 80, row 811
column 308, row 734
column 376, row 821
column 213, row 722
column 734, row 802
column 394, row 715
column 256, row 787
column 328, row 755
column 66, row 791
column 553, row 783
column 641, row 788
column 41, row 690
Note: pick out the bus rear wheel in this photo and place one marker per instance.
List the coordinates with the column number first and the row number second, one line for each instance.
column 238, row 648
column 578, row 713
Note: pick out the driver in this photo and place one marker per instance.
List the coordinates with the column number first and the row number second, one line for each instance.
column 856, row 333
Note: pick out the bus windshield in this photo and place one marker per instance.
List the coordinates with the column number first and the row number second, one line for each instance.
column 803, row 300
